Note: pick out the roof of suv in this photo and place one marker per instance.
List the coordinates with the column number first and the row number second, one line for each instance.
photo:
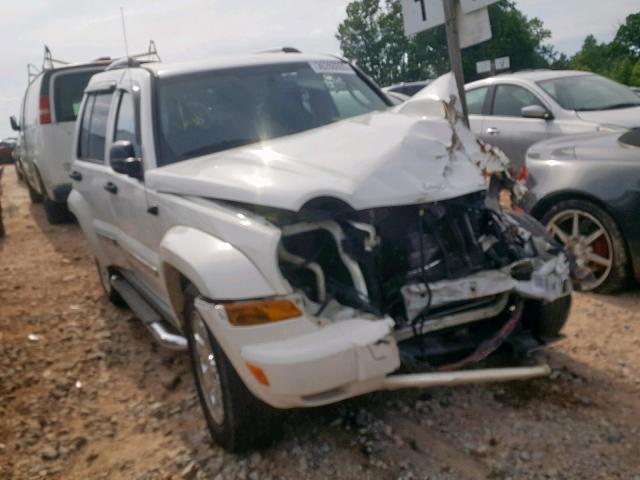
column 219, row 63
column 530, row 76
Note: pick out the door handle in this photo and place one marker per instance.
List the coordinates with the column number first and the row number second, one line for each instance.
column 493, row 131
column 75, row 175
column 111, row 188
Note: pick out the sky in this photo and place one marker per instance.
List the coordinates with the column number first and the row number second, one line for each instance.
column 79, row 30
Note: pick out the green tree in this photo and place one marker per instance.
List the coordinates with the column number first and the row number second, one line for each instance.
column 373, row 37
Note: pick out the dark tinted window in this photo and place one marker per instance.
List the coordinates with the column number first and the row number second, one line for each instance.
column 511, row 99
column 94, row 127
column 213, row 111
column 68, row 89
column 475, row 100
column 83, row 148
column 126, row 122
column 589, row 92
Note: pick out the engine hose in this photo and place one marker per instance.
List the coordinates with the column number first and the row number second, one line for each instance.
column 489, row 346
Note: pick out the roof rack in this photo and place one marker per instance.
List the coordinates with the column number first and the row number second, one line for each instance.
column 134, row 60
column 49, row 62
column 282, row 50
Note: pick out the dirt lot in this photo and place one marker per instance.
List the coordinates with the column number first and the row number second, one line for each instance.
column 85, row 394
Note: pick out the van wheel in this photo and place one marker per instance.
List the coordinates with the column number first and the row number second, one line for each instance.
column 34, row 196
column 56, row 212
column 237, row 420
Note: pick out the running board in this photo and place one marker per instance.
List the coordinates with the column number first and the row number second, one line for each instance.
column 464, row 377
column 149, row 317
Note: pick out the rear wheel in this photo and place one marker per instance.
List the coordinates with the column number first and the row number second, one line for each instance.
column 56, row 212
column 236, row 419
column 34, row 196
column 595, row 240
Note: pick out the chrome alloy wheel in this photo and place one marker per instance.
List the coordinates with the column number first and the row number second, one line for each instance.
column 588, row 240
column 206, row 368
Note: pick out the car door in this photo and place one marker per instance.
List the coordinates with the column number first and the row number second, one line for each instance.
column 478, row 106
column 89, row 171
column 507, row 129
column 135, row 222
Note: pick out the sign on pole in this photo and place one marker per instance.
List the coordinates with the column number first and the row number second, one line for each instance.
column 474, row 27
column 483, row 67
column 503, row 63
column 421, row 15
column 471, row 5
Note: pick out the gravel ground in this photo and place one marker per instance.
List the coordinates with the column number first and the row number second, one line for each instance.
column 85, row 394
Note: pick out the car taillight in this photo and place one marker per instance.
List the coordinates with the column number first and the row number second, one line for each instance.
column 524, row 173
column 45, row 111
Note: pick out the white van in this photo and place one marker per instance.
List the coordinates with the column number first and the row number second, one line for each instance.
column 47, row 123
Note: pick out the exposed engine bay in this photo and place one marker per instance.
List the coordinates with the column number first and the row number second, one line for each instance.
column 453, row 275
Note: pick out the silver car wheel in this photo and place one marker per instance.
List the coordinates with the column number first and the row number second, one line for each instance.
column 207, row 369
column 587, row 238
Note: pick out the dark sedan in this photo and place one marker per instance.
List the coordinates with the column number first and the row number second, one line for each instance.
column 586, row 190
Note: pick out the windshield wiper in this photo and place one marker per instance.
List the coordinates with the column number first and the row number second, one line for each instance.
column 622, row 105
column 218, row 147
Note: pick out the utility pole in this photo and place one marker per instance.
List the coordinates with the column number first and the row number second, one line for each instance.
column 455, row 54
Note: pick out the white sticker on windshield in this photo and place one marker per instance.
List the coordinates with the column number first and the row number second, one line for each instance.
column 331, row 67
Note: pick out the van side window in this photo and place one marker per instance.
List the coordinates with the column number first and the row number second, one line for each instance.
column 93, row 129
column 126, row 127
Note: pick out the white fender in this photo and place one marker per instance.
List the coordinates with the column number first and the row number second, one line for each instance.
column 218, row 270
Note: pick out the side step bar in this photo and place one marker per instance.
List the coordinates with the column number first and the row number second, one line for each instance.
column 150, row 318
column 464, row 377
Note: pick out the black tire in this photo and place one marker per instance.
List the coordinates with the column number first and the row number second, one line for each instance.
column 34, row 196
column 56, row 212
column 105, row 280
column 618, row 275
column 247, row 422
column 547, row 319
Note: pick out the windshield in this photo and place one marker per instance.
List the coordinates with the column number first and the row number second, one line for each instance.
column 217, row 110
column 589, row 92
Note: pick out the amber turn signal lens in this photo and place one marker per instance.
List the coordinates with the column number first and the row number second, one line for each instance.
column 259, row 374
column 257, row 313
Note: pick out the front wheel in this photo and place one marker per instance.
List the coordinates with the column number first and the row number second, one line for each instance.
column 237, row 420
column 594, row 239
column 34, row 196
column 547, row 319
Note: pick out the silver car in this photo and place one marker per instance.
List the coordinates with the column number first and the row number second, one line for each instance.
column 514, row 111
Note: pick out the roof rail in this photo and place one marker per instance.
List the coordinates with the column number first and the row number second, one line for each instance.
column 282, row 50
column 135, row 60
column 49, row 62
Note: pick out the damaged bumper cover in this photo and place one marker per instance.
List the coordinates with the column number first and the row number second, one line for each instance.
column 310, row 361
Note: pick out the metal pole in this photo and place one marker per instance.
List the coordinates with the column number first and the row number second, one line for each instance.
column 455, row 53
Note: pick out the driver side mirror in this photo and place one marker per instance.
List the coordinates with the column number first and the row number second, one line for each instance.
column 536, row 111
column 14, row 123
column 122, row 158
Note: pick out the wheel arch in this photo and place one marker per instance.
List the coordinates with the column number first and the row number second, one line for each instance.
column 214, row 267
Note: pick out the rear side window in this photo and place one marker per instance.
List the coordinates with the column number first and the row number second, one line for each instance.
column 93, row 129
column 68, row 89
column 476, row 99
column 511, row 99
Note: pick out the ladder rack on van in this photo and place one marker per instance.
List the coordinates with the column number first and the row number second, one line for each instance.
column 131, row 60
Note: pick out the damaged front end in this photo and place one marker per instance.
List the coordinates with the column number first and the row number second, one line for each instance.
column 423, row 289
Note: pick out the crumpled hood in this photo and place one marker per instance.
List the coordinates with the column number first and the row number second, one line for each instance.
column 623, row 117
column 381, row 159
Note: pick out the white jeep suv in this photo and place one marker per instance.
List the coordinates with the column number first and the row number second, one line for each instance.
column 303, row 239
